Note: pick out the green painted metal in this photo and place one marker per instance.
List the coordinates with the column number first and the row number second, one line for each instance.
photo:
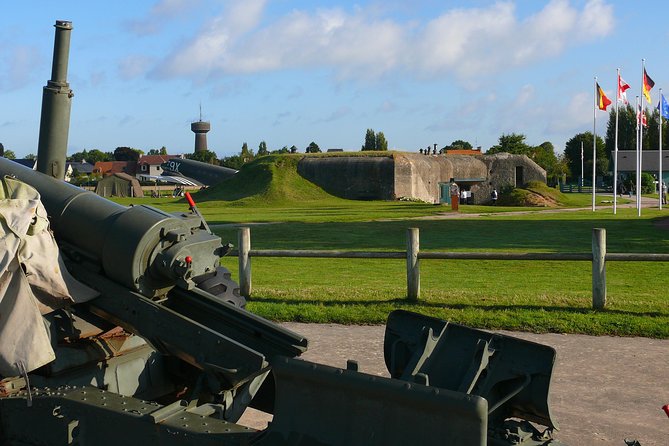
column 72, row 415
column 56, row 105
column 345, row 407
column 512, row 374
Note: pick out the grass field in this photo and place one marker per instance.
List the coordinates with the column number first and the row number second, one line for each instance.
column 539, row 296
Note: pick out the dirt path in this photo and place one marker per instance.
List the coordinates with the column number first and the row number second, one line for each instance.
column 604, row 389
column 645, row 203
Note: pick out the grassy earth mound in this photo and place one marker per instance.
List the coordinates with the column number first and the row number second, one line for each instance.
column 535, row 193
column 271, row 179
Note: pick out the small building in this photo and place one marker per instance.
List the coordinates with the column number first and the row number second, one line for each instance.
column 73, row 168
column 650, row 163
column 119, row 184
column 151, row 164
column 111, row 167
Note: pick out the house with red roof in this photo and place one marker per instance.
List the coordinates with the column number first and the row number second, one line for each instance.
column 150, row 164
column 107, row 168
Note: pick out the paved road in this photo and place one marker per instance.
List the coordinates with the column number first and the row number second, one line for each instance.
column 604, row 389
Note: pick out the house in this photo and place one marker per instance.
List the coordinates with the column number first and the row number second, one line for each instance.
column 650, row 163
column 73, row 168
column 107, row 168
column 150, row 165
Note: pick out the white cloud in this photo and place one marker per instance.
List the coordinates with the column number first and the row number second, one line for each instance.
column 159, row 14
column 360, row 44
column 19, row 65
column 336, row 115
column 470, row 41
column 134, row 66
column 574, row 116
column 525, row 96
column 209, row 52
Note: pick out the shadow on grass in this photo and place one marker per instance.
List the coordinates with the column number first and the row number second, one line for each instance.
column 405, row 302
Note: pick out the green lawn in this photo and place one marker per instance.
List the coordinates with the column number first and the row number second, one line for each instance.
column 534, row 296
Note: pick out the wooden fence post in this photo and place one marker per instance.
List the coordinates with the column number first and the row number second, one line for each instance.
column 413, row 264
column 598, row 268
column 244, row 243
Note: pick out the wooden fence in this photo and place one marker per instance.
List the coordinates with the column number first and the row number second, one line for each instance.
column 598, row 256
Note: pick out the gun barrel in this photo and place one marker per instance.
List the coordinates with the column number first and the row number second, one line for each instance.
column 141, row 247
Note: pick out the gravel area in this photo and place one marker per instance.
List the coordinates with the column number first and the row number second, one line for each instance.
column 604, row 389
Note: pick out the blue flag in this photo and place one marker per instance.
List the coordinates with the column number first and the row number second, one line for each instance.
column 663, row 106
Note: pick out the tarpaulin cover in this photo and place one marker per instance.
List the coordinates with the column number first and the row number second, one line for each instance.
column 33, row 279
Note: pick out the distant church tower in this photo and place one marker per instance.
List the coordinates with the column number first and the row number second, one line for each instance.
column 200, row 128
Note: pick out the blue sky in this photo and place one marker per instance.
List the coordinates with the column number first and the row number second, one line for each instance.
column 292, row 72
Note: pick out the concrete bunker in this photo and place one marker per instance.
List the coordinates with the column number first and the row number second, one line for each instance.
column 398, row 175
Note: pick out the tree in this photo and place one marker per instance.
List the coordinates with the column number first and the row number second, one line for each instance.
column 313, row 148
column 380, row 141
column 293, row 149
column 205, row 156
column 161, row 151
column 370, row 140
column 572, row 151
column 233, row 162
column 626, row 129
column 127, row 154
column 92, row 156
column 2, row 149
column 237, row 161
column 10, row 155
column 512, row 143
column 262, row 149
column 283, row 149
column 31, row 156
column 460, row 144
column 544, row 155
column 246, row 154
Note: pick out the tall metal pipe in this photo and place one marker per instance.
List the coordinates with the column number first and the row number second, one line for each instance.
column 56, row 104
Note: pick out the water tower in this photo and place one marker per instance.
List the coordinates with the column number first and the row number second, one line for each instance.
column 200, row 128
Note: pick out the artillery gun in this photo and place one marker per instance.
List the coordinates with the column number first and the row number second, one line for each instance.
column 165, row 354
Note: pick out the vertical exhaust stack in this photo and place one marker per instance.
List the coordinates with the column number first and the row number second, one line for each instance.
column 56, row 104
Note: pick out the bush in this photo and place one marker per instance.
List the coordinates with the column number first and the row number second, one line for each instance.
column 647, row 185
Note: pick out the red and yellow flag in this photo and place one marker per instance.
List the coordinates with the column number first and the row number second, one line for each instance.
column 648, row 84
column 602, row 100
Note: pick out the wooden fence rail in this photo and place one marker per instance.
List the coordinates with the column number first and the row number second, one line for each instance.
column 598, row 256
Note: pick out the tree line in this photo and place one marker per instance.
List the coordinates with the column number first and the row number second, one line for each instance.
column 605, row 147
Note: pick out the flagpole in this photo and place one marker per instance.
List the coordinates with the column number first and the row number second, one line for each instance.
column 636, row 178
column 659, row 176
column 594, row 145
column 581, row 185
column 615, row 149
